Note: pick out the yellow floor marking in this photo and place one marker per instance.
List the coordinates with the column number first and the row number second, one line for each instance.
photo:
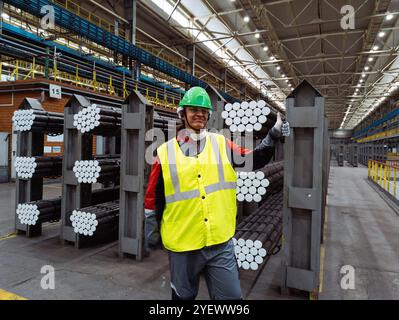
column 5, row 295
column 8, row 236
column 322, row 253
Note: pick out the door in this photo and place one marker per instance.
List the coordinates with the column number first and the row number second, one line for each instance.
column 4, row 157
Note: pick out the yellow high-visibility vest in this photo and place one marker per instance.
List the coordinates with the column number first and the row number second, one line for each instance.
column 200, row 194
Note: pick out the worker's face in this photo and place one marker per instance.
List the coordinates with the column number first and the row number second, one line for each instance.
column 197, row 117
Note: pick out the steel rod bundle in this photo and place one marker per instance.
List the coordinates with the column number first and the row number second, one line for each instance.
column 98, row 119
column 36, row 212
column 257, row 234
column 98, row 218
column 273, row 168
column 104, row 195
column 91, row 171
column 247, row 116
column 39, row 211
column 27, row 120
column 26, row 167
column 251, row 186
column 275, row 181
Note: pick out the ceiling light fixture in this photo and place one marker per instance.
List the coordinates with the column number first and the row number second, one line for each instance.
column 371, row 59
column 375, row 48
column 257, row 35
column 389, row 17
column 265, row 48
column 381, row 34
column 246, row 19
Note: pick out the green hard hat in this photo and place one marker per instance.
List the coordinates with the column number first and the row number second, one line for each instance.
column 196, row 97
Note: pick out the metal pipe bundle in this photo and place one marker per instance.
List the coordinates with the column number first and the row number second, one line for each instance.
column 98, row 119
column 98, row 218
column 247, row 116
column 273, row 168
column 257, row 234
column 91, row 171
column 276, row 181
column 40, row 211
column 104, row 195
column 26, row 167
column 38, row 120
column 251, row 186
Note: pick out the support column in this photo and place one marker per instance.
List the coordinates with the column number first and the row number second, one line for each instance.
column 218, row 102
column 29, row 144
column 130, row 9
column 243, row 91
column 225, row 80
column 137, row 119
column 191, row 55
column 303, row 189
column 1, row 17
column 133, row 23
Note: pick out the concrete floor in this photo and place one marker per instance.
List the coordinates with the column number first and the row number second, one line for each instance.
column 361, row 231
column 95, row 272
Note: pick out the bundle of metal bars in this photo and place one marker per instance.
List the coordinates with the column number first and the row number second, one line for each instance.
column 48, row 167
column 96, row 219
column 38, row 120
column 37, row 212
column 275, row 175
column 252, row 186
column 98, row 119
column 92, row 171
column 258, row 233
column 40, row 211
column 247, row 116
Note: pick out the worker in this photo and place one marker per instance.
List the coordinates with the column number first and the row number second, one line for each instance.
column 190, row 202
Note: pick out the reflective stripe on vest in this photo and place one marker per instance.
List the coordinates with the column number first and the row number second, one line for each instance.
column 192, row 194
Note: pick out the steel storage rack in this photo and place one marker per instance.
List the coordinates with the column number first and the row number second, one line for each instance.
column 78, row 146
column 30, row 146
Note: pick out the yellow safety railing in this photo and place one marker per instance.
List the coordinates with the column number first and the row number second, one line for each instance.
column 384, row 175
column 380, row 136
column 76, row 8
column 23, row 70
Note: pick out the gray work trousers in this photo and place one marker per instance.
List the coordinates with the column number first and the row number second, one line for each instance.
column 219, row 266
